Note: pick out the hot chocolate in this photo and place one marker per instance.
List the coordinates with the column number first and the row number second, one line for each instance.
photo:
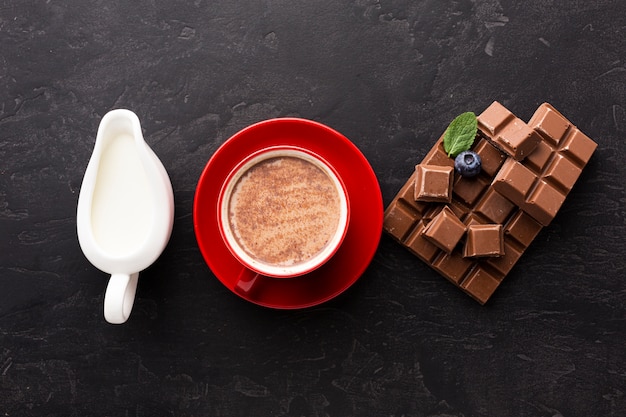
column 284, row 210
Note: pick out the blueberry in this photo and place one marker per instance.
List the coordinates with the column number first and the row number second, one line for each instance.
column 467, row 163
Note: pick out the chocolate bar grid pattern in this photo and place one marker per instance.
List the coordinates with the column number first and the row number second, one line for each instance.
column 476, row 201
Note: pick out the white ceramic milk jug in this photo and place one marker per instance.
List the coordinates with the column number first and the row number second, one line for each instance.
column 125, row 209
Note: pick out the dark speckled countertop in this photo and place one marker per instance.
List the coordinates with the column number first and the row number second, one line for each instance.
column 389, row 75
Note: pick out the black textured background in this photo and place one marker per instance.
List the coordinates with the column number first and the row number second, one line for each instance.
column 388, row 74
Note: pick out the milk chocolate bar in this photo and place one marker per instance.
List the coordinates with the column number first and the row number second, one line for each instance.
column 476, row 237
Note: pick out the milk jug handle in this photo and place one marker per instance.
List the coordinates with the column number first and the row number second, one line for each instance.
column 120, row 297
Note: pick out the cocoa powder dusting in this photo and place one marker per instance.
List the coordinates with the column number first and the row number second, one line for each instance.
column 284, row 210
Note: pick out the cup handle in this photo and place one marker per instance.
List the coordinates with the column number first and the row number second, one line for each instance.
column 120, row 297
column 245, row 281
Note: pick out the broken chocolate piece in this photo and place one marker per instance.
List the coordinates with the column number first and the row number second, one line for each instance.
column 508, row 133
column 445, row 230
column 433, row 183
column 484, row 240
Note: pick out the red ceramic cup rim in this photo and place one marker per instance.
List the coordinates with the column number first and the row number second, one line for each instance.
column 275, row 270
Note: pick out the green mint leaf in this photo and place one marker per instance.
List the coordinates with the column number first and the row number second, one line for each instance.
column 460, row 134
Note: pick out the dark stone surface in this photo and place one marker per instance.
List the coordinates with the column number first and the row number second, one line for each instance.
column 389, row 75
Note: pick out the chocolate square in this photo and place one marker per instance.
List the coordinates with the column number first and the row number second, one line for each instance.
column 490, row 156
column 517, row 139
column 550, row 122
column 484, row 240
column 453, row 266
column 439, row 157
column 503, row 264
column 445, row 230
column 421, row 246
column 399, row 219
column 469, row 189
column 563, row 172
column 494, row 207
column 480, row 284
column 514, row 181
column 579, row 147
column 494, row 117
column 433, row 183
column 523, row 228
column 544, row 202
column 539, row 157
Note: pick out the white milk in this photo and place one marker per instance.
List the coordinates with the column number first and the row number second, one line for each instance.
column 122, row 209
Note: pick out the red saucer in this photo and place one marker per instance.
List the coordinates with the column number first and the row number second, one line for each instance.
column 366, row 216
